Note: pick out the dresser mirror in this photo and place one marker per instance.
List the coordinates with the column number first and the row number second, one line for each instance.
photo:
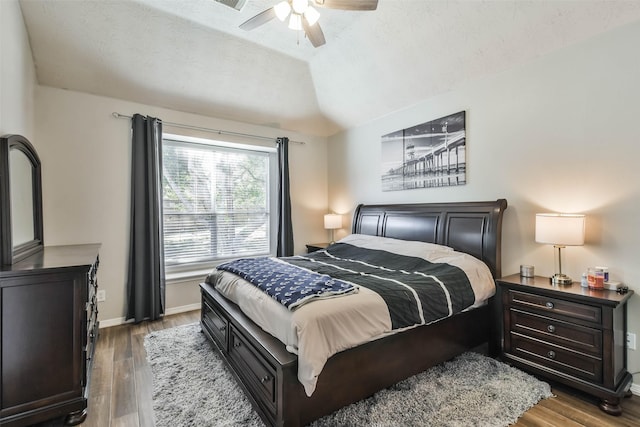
column 20, row 200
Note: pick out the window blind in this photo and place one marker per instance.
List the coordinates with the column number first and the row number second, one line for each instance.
column 215, row 201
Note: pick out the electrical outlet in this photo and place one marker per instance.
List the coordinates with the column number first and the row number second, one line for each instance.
column 631, row 341
column 101, row 295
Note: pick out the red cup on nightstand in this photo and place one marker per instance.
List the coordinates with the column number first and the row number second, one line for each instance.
column 595, row 278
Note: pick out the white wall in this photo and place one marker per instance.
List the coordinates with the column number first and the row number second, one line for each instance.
column 85, row 155
column 17, row 73
column 560, row 134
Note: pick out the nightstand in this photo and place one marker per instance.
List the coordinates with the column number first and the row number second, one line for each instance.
column 569, row 334
column 312, row 247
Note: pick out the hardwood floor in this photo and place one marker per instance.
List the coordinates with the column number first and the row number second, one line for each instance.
column 121, row 386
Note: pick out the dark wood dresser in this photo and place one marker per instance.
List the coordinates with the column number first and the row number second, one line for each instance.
column 569, row 334
column 48, row 330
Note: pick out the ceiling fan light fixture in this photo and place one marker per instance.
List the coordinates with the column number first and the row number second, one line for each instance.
column 311, row 15
column 302, row 15
column 282, row 10
column 299, row 6
column 295, row 22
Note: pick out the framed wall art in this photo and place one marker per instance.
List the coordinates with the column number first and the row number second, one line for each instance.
column 431, row 154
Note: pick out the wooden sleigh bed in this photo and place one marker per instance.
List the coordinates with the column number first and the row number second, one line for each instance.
column 268, row 372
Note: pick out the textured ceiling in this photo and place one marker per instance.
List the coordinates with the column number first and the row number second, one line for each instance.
column 189, row 55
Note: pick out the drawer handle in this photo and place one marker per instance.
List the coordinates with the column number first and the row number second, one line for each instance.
column 551, row 354
column 549, row 305
column 265, row 379
column 551, row 328
column 237, row 344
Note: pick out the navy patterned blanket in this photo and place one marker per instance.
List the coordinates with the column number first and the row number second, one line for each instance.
column 291, row 286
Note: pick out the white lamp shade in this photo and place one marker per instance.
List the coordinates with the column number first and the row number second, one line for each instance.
column 560, row 229
column 332, row 221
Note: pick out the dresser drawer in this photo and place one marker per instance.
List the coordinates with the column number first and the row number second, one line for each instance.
column 574, row 337
column 554, row 306
column 557, row 358
column 215, row 324
column 255, row 370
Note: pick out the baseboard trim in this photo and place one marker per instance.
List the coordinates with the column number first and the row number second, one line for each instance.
column 113, row 322
column 183, row 308
column 635, row 389
column 173, row 310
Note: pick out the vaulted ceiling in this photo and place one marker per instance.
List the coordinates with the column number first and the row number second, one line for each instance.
column 190, row 55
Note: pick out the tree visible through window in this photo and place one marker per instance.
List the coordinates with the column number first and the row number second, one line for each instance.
column 216, row 201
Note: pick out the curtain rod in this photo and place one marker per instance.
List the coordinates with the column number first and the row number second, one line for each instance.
column 203, row 129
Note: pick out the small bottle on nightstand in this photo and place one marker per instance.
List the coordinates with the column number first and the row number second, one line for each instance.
column 584, row 282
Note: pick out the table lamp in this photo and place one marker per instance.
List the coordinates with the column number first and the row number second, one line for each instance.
column 560, row 230
column 332, row 222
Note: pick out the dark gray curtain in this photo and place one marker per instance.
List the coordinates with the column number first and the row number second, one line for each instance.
column 285, row 228
column 145, row 281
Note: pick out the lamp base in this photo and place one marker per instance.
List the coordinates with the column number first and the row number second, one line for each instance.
column 560, row 279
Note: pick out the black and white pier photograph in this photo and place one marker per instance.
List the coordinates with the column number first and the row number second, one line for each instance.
column 431, row 154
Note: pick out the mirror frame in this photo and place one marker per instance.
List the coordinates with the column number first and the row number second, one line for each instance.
column 10, row 254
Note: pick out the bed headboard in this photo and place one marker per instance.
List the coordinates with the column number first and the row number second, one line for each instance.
column 471, row 227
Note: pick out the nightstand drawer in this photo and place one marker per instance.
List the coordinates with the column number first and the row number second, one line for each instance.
column 574, row 337
column 555, row 306
column 557, row 358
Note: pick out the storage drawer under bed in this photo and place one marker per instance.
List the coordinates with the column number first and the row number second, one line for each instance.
column 215, row 324
column 265, row 369
column 254, row 369
column 247, row 362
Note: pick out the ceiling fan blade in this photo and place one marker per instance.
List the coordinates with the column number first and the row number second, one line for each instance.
column 260, row 19
column 314, row 33
column 348, row 4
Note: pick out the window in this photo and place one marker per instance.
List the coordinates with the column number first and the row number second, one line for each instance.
column 218, row 201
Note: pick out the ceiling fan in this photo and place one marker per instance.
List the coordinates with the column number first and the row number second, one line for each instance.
column 303, row 16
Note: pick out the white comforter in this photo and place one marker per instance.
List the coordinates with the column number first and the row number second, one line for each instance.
column 322, row 328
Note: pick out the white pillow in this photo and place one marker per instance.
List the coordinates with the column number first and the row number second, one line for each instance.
column 401, row 247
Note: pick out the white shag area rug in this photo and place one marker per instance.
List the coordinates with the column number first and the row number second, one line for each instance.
column 193, row 387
